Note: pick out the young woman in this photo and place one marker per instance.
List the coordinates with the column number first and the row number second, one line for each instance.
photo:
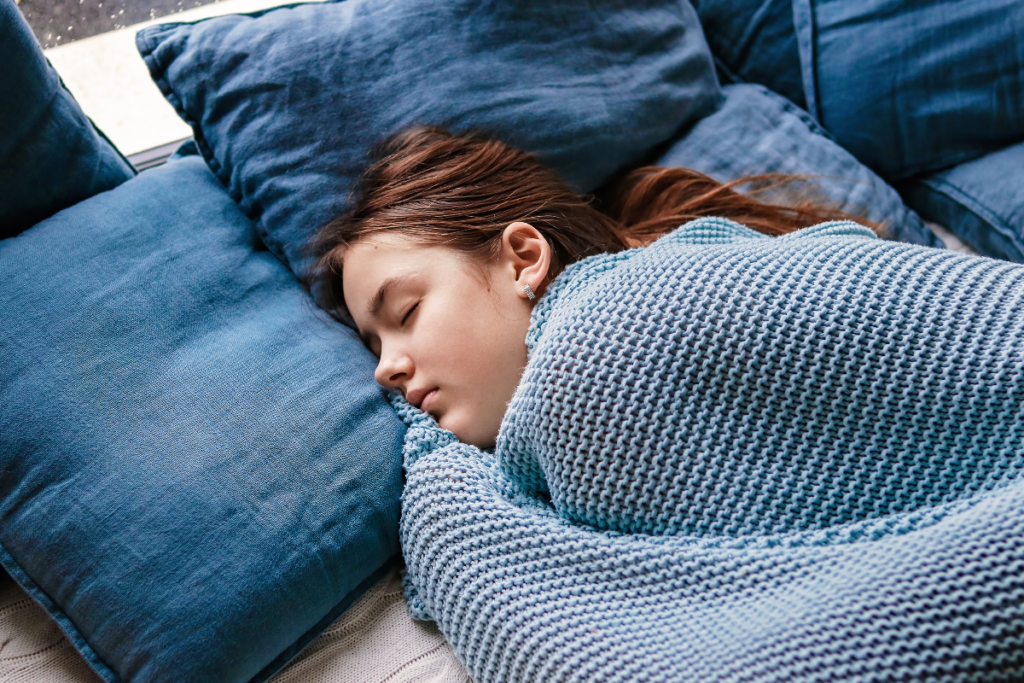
column 453, row 239
column 730, row 441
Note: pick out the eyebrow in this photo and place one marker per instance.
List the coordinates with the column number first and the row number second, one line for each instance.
column 377, row 302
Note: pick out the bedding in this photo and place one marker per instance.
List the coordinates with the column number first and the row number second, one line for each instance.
column 731, row 459
column 982, row 199
column 909, row 88
column 197, row 471
column 374, row 641
column 754, row 41
column 51, row 156
column 757, row 131
column 286, row 104
column 927, row 94
column 914, row 88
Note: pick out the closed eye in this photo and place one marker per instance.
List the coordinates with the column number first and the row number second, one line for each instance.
column 409, row 312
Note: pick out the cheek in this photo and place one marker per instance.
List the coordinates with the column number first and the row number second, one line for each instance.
column 476, row 340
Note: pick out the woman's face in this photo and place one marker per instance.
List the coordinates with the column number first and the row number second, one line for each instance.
column 450, row 333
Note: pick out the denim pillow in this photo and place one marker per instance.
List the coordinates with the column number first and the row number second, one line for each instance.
column 754, row 41
column 51, row 156
column 757, row 131
column 286, row 104
column 197, row 470
column 981, row 201
column 914, row 87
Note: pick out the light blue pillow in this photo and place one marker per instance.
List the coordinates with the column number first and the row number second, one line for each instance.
column 981, row 201
column 757, row 131
column 197, row 470
column 286, row 104
column 51, row 156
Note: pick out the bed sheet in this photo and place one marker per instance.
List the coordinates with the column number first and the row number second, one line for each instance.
column 373, row 641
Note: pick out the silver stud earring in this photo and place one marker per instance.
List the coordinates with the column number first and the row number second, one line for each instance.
column 529, row 292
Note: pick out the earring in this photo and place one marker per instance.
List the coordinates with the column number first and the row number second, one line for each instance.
column 529, row 292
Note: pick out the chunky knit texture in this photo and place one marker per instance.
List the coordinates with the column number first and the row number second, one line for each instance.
column 741, row 458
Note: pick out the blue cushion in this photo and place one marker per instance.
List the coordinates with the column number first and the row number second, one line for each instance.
column 754, row 41
column 51, row 156
column 197, row 470
column 286, row 104
column 757, row 131
column 981, row 201
column 914, row 87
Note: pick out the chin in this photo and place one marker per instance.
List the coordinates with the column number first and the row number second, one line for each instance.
column 468, row 435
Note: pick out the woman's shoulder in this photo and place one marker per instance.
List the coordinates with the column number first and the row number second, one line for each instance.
column 710, row 231
column 586, row 274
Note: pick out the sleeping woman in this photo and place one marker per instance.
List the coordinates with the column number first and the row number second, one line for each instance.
column 793, row 406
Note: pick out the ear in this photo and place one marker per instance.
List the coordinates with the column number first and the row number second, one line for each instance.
column 526, row 257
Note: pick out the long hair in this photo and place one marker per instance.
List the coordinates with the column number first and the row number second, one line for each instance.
column 461, row 191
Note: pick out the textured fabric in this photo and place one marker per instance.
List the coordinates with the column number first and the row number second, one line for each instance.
column 197, row 470
column 741, row 458
column 914, row 87
column 754, row 41
column 374, row 641
column 287, row 104
column 757, row 131
column 981, row 201
column 32, row 647
column 51, row 156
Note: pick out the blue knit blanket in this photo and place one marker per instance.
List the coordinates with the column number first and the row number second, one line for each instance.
column 741, row 458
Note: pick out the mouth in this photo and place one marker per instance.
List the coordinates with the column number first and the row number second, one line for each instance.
column 421, row 398
column 428, row 402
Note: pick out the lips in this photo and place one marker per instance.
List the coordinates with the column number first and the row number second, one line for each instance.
column 421, row 398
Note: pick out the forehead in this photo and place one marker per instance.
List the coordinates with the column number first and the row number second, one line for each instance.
column 379, row 255
column 390, row 255
column 372, row 261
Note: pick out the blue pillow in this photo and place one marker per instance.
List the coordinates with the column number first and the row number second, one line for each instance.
column 914, row 87
column 286, row 104
column 754, row 41
column 757, row 131
column 981, row 201
column 51, row 156
column 197, row 470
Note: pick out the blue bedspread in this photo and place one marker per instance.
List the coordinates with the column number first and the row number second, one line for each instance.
column 741, row 458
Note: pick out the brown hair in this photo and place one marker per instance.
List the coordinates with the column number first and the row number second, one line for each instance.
column 462, row 191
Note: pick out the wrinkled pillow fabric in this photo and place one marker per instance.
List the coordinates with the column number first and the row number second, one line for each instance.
column 914, row 87
column 754, row 41
column 981, row 201
column 197, row 470
column 286, row 104
column 51, row 156
column 757, row 131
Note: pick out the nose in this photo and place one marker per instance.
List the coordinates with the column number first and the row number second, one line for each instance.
column 394, row 369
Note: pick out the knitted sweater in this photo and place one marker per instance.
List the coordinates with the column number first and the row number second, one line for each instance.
column 741, row 458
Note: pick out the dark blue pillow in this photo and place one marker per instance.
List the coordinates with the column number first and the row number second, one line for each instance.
column 197, row 470
column 914, row 87
column 757, row 131
column 286, row 104
column 754, row 41
column 981, row 201
column 51, row 156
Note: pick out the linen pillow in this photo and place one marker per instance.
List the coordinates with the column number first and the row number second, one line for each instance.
column 51, row 156
column 914, row 87
column 285, row 104
column 757, row 131
column 197, row 470
column 981, row 201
